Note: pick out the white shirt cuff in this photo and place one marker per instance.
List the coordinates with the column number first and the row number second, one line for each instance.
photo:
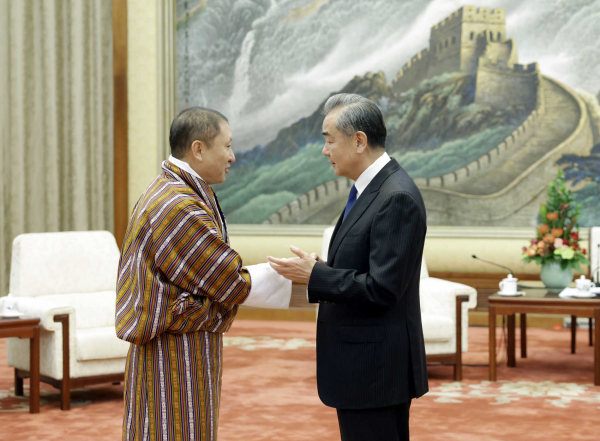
column 269, row 289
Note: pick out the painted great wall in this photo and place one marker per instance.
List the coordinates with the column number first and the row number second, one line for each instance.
column 505, row 186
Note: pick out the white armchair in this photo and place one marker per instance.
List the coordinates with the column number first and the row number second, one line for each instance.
column 68, row 281
column 445, row 317
column 440, row 302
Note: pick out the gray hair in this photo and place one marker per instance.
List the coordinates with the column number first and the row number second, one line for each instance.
column 358, row 114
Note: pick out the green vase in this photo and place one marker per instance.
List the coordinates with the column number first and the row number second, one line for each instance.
column 554, row 277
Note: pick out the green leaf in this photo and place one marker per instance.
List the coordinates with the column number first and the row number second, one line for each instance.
column 564, row 264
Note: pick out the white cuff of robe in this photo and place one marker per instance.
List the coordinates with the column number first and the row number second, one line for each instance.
column 269, row 289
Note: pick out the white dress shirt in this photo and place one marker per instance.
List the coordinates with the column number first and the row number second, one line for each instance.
column 184, row 166
column 269, row 289
column 367, row 176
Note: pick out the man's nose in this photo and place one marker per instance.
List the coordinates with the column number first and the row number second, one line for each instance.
column 232, row 157
column 325, row 151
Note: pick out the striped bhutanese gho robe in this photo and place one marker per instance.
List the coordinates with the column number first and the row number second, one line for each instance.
column 178, row 289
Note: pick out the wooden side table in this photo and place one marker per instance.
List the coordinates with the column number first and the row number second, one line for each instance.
column 540, row 301
column 27, row 328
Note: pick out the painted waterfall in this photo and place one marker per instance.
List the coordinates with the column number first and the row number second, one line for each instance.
column 483, row 102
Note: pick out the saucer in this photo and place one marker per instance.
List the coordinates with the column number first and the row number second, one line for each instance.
column 583, row 294
column 511, row 294
column 11, row 314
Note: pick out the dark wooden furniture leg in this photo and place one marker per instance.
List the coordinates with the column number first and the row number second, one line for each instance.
column 34, row 369
column 458, row 360
column 573, row 334
column 591, row 331
column 65, row 387
column 18, row 384
column 510, row 349
column 523, row 335
column 492, row 342
column 597, row 348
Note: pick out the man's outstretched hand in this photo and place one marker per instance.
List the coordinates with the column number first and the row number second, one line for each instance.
column 298, row 269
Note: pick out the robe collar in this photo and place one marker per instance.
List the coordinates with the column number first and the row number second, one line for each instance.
column 200, row 187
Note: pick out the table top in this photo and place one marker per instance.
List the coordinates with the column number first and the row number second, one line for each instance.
column 12, row 323
column 535, row 291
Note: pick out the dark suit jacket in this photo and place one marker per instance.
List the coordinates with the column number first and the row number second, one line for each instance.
column 370, row 349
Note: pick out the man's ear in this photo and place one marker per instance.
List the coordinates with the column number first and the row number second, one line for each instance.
column 197, row 149
column 361, row 142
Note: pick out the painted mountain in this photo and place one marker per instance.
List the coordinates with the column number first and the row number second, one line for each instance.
column 482, row 103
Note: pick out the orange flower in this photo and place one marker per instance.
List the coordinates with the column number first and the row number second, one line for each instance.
column 557, row 232
column 552, row 216
column 549, row 238
column 543, row 229
column 531, row 252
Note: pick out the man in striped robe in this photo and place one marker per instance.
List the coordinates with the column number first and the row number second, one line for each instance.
column 179, row 288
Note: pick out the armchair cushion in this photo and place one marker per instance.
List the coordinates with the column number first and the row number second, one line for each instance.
column 60, row 263
column 100, row 344
column 437, row 328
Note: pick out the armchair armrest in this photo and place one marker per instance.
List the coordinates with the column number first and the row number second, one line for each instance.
column 45, row 311
column 54, row 317
column 439, row 296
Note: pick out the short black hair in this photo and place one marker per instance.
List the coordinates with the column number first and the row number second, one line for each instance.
column 194, row 123
column 358, row 114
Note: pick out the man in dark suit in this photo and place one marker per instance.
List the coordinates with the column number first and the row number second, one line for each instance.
column 370, row 350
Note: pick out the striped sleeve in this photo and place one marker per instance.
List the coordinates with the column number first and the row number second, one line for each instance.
column 192, row 256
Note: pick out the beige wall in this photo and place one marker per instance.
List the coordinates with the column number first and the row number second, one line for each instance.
column 442, row 254
column 142, row 95
column 445, row 249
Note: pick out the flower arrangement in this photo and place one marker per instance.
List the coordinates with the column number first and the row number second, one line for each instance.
column 557, row 238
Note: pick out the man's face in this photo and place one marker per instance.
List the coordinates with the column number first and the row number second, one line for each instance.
column 217, row 158
column 340, row 151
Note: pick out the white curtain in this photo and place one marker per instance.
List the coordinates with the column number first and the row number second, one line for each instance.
column 56, row 116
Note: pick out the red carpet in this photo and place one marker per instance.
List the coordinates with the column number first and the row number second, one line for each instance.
column 269, row 393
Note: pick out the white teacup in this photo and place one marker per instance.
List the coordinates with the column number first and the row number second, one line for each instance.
column 509, row 285
column 584, row 284
column 9, row 305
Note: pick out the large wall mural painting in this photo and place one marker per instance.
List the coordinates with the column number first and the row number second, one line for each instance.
column 483, row 103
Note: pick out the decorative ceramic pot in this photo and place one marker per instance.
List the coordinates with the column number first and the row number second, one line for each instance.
column 554, row 277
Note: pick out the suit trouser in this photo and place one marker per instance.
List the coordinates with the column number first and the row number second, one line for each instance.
column 380, row 424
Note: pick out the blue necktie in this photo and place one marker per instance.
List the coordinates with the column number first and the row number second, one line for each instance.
column 351, row 202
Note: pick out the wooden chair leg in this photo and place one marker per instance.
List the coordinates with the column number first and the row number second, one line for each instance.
column 18, row 384
column 523, row 335
column 65, row 394
column 65, row 385
column 511, row 356
column 591, row 331
column 573, row 334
